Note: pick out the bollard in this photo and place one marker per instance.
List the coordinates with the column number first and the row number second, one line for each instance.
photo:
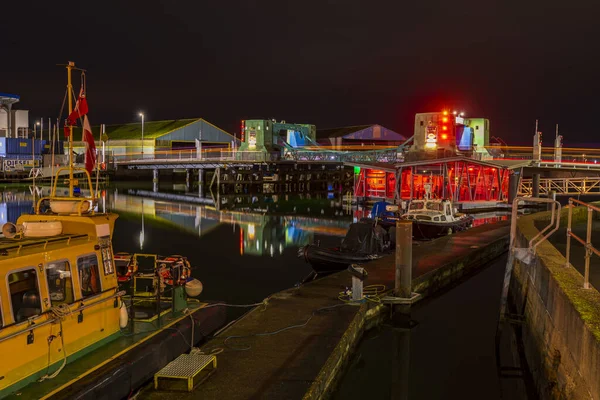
column 403, row 282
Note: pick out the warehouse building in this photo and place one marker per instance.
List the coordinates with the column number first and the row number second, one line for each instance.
column 360, row 135
column 159, row 137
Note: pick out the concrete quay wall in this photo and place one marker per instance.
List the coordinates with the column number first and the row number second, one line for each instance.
column 561, row 327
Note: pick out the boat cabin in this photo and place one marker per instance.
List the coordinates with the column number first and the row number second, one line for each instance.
column 65, row 279
column 435, row 210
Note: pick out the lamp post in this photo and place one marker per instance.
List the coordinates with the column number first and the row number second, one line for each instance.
column 142, row 115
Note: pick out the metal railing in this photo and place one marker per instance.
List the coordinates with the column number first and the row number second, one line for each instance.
column 542, row 235
column 587, row 243
column 192, row 156
column 562, row 186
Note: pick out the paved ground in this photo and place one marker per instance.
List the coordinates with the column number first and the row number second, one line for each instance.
column 284, row 365
column 577, row 258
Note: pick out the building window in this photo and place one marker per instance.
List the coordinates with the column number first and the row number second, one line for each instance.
column 421, row 122
column 107, row 260
column 89, row 275
column 24, row 294
column 476, row 127
column 60, row 284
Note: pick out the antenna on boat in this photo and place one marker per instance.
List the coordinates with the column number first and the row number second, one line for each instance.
column 70, row 67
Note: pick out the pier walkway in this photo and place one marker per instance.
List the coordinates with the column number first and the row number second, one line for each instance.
column 297, row 345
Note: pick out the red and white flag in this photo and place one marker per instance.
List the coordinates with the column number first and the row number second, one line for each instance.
column 81, row 109
column 90, row 146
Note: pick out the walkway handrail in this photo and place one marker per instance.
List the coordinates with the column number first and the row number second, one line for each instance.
column 554, row 220
column 587, row 243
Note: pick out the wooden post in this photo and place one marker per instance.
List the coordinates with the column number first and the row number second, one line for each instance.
column 403, row 282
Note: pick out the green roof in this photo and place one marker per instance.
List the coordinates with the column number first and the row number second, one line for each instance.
column 152, row 129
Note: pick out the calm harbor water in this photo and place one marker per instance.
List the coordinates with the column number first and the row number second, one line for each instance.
column 449, row 354
column 248, row 251
column 241, row 255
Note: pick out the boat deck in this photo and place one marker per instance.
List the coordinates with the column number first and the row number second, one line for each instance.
column 131, row 358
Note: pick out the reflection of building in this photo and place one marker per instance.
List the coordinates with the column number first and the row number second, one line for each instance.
column 261, row 239
column 260, row 233
column 274, row 235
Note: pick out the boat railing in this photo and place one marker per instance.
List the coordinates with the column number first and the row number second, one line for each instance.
column 52, row 319
column 80, row 200
column 16, row 244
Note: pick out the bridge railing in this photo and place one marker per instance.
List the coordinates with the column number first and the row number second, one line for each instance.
column 192, row 155
column 587, row 243
column 562, row 186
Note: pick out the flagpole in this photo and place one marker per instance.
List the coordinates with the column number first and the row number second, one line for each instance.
column 70, row 66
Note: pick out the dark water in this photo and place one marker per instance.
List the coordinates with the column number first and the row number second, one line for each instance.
column 241, row 255
column 449, row 354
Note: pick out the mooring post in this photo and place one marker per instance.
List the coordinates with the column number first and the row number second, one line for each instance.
column 403, row 283
column 155, row 180
column 201, row 182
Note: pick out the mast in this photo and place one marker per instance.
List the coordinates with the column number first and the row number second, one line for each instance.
column 70, row 66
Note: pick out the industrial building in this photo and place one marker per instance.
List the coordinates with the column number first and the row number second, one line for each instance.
column 361, row 135
column 159, row 137
column 274, row 137
column 13, row 123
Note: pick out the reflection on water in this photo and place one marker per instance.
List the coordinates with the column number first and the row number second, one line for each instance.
column 242, row 253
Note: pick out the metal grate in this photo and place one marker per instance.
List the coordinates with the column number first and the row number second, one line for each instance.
column 186, row 368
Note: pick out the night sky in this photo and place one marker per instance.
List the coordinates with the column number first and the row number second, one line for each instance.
column 328, row 62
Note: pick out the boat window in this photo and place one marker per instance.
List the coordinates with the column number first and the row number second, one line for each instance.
column 434, row 206
column 448, row 209
column 416, row 206
column 443, row 217
column 423, row 217
column 107, row 260
column 89, row 275
column 60, row 285
column 24, row 294
column 436, row 219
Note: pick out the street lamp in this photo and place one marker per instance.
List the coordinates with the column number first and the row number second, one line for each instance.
column 142, row 115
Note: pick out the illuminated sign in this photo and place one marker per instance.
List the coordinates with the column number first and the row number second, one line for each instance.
column 431, row 136
column 252, row 139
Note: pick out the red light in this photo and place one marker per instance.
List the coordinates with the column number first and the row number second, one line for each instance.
column 445, row 119
column 444, row 136
column 444, row 128
column 471, row 169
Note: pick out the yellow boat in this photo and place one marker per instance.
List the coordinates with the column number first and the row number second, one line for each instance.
column 66, row 329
